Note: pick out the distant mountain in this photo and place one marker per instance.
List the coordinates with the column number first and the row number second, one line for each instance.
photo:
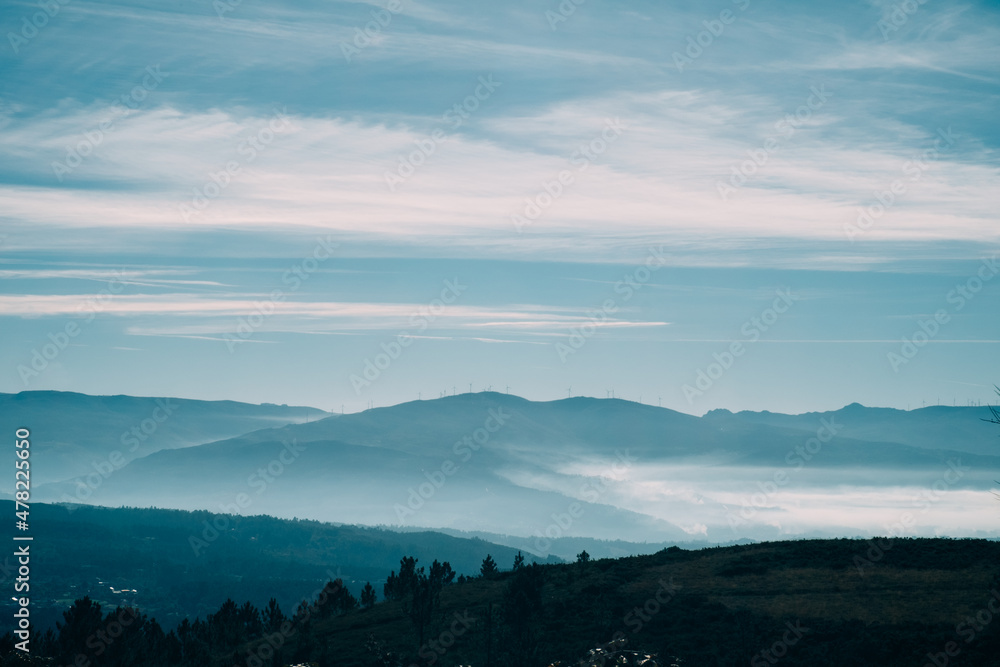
column 579, row 467
column 335, row 481
column 935, row 427
column 72, row 433
column 579, row 427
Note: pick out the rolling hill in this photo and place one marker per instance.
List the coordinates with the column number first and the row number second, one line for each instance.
column 74, row 432
column 580, row 467
column 176, row 564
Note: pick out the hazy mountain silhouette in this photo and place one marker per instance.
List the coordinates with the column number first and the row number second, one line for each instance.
column 933, row 427
column 502, row 464
column 71, row 431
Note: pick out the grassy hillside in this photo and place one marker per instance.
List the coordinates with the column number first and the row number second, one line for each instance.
column 722, row 606
column 883, row 602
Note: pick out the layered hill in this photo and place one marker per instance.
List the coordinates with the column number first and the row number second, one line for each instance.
column 72, row 432
column 582, row 467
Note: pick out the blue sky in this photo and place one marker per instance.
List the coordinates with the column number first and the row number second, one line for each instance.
column 256, row 200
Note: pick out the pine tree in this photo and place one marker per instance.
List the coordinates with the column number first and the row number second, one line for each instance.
column 273, row 618
column 488, row 570
column 441, row 574
column 81, row 621
column 522, row 606
column 368, row 596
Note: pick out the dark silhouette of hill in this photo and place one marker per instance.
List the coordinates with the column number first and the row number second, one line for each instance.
column 885, row 602
column 177, row 564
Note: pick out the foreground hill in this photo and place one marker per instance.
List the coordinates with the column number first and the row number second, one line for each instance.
column 72, row 432
column 177, row 564
column 567, row 548
column 815, row 603
column 851, row 602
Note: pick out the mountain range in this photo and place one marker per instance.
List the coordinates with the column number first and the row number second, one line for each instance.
column 578, row 467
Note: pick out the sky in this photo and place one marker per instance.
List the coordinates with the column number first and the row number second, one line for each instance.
column 735, row 204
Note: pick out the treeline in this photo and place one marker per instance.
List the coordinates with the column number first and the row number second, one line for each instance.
column 183, row 564
column 510, row 629
column 242, row 634
column 716, row 607
column 235, row 634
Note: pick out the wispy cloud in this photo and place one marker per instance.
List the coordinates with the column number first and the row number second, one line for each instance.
column 648, row 184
